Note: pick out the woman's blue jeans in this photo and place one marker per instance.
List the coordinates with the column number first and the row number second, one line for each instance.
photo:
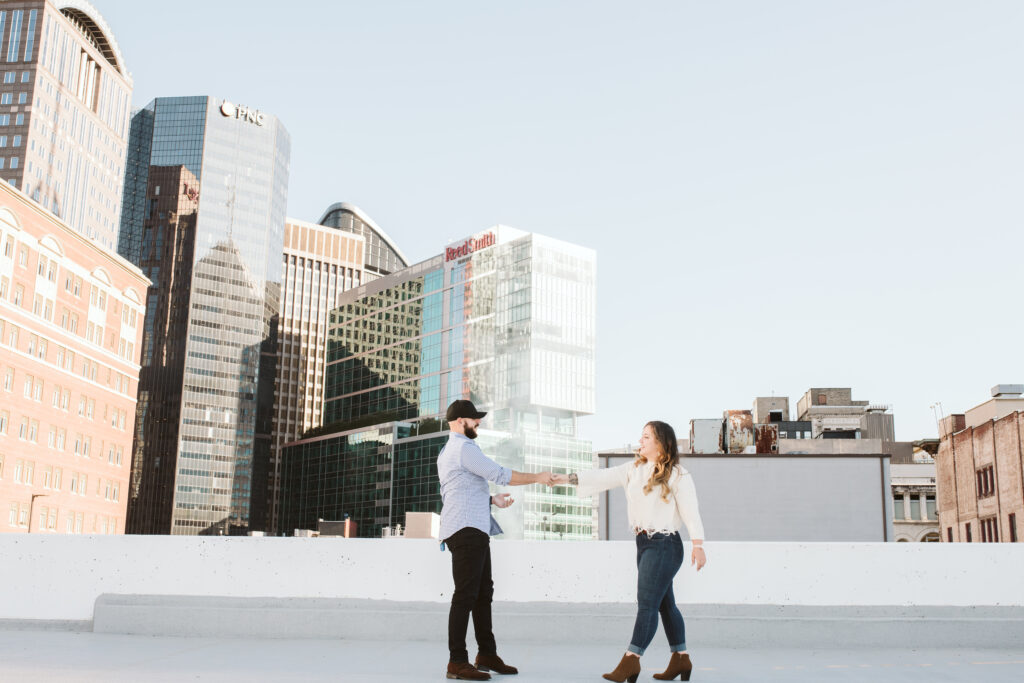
column 658, row 558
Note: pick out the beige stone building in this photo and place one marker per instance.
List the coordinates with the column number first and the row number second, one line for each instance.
column 65, row 103
column 319, row 264
column 71, row 318
column 979, row 470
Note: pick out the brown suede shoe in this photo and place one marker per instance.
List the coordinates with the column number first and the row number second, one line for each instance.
column 462, row 671
column 680, row 665
column 494, row 663
column 627, row 670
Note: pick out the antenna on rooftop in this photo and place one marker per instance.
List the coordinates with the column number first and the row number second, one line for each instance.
column 939, row 415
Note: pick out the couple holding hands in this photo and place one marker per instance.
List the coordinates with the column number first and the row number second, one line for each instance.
column 660, row 498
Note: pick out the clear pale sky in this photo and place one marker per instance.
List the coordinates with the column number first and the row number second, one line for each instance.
column 781, row 195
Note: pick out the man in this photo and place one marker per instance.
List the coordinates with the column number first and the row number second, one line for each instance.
column 466, row 528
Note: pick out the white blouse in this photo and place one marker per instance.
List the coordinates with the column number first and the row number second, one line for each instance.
column 649, row 512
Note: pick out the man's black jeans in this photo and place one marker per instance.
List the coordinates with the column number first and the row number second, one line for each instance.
column 471, row 569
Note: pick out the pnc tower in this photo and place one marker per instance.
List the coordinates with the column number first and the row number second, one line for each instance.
column 203, row 217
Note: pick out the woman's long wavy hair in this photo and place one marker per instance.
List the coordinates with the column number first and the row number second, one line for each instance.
column 667, row 458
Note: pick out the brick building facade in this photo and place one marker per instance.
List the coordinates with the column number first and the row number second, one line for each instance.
column 70, row 329
column 979, row 471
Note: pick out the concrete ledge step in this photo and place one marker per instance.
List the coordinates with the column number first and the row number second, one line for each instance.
column 70, row 625
column 706, row 625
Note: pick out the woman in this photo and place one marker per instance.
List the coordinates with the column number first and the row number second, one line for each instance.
column 660, row 498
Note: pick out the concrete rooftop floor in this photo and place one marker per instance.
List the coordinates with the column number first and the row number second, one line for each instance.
column 73, row 657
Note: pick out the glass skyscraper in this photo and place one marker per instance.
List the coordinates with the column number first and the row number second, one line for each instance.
column 504, row 318
column 203, row 217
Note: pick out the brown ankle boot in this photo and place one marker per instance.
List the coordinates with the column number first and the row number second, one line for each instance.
column 680, row 665
column 462, row 671
column 627, row 670
column 494, row 663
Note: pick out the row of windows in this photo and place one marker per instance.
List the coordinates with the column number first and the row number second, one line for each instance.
column 64, row 359
column 12, row 76
column 8, row 97
column 73, row 284
column 989, row 530
column 903, row 510
column 29, row 430
column 69, row 321
column 74, row 522
column 23, row 471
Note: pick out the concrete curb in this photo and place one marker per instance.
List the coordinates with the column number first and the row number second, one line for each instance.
column 761, row 626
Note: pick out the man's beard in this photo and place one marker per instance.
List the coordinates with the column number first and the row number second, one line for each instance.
column 470, row 432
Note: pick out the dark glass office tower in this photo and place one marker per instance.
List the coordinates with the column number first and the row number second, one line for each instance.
column 204, row 213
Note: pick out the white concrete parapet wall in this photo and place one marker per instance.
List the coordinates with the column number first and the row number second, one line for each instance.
column 60, row 577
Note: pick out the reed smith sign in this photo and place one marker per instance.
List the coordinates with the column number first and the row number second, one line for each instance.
column 469, row 246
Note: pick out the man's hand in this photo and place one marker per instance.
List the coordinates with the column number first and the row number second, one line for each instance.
column 502, row 500
column 559, row 479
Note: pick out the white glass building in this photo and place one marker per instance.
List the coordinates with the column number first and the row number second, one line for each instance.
column 504, row 318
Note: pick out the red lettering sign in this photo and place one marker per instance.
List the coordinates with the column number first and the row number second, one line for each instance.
column 469, row 246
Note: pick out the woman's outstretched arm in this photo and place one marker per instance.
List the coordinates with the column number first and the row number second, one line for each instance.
column 589, row 482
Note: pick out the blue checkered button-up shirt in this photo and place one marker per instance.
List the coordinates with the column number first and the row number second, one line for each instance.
column 464, row 471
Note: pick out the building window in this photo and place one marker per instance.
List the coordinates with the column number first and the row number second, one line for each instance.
column 1012, row 521
column 915, row 508
column 949, row 534
column 15, row 36
column 985, row 478
column 929, row 503
column 30, row 35
column 967, row 530
column 989, row 530
column 897, row 503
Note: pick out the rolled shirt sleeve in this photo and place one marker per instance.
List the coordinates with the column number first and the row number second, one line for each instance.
column 474, row 460
column 595, row 481
column 686, row 505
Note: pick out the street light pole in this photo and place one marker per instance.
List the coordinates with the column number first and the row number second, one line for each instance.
column 31, row 506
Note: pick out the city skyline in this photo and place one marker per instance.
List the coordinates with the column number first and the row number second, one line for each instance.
column 824, row 214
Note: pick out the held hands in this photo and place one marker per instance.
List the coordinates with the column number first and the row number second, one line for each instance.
column 546, row 478
column 553, row 479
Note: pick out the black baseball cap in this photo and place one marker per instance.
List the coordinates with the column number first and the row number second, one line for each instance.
column 463, row 408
